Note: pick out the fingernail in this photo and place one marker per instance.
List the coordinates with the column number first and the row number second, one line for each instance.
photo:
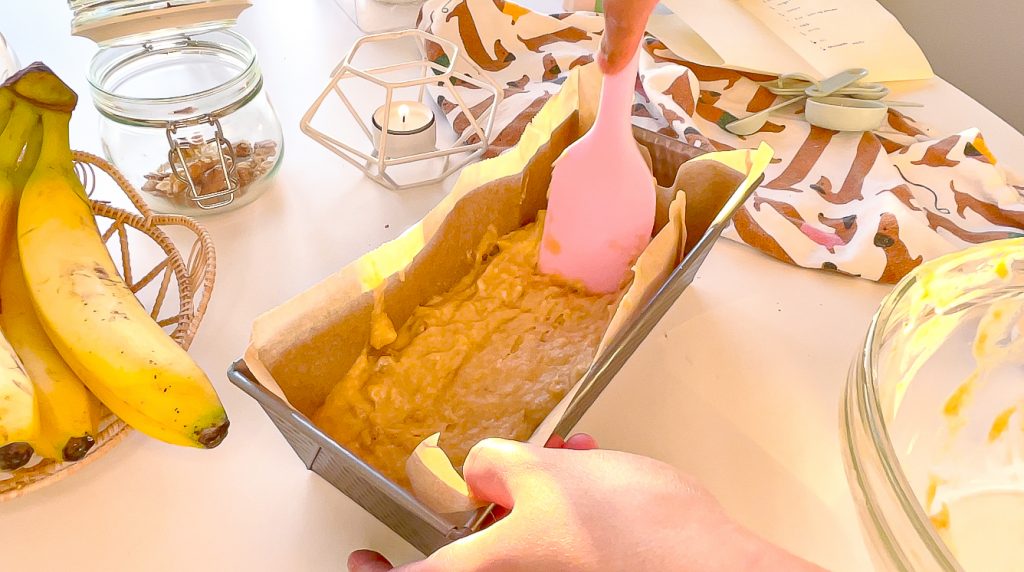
column 367, row 561
column 582, row 442
column 555, row 442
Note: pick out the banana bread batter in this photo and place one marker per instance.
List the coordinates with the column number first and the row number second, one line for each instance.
column 489, row 358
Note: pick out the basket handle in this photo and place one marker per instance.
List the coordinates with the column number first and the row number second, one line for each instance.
column 201, row 264
column 89, row 182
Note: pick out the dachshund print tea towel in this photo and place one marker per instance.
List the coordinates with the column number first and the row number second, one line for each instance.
column 874, row 205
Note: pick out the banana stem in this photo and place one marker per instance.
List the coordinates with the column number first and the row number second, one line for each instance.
column 12, row 140
column 33, row 148
column 55, row 152
column 55, row 158
column 6, row 106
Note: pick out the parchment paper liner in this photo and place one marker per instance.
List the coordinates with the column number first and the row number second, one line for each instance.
column 302, row 348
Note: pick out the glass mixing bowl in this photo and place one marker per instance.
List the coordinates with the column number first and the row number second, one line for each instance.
column 933, row 417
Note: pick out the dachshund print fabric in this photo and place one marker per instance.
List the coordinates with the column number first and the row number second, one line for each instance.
column 874, row 205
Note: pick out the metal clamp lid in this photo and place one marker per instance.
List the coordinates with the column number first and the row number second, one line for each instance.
column 121, row 22
column 182, row 150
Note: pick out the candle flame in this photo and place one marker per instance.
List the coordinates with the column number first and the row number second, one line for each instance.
column 403, row 112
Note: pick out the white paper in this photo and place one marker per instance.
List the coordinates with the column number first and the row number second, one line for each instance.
column 683, row 40
column 815, row 37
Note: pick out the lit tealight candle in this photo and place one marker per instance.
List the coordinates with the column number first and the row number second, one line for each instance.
column 411, row 129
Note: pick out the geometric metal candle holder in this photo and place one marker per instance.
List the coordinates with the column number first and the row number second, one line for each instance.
column 354, row 84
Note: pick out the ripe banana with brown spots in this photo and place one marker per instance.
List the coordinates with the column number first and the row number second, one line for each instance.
column 91, row 316
column 19, row 411
column 69, row 414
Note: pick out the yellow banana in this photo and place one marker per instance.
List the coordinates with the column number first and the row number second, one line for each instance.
column 6, row 106
column 91, row 316
column 28, row 162
column 23, row 121
column 69, row 414
column 19, row 411
column 19, row 415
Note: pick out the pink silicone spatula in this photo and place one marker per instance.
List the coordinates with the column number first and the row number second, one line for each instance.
column 602, row 199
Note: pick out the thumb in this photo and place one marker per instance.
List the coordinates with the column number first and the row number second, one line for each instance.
column 625, row 23
column 495, row 468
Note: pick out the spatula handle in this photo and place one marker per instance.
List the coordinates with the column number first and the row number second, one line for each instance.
column 615, row 111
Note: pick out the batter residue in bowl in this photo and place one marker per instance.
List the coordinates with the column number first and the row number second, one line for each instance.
column 981, row 517
column 489, row 358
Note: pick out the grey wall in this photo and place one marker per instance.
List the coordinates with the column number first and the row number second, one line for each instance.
column 977, row 45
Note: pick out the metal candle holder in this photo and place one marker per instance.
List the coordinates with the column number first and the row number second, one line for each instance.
column 378, row 165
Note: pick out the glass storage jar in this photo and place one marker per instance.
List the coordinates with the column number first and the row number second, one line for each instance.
column 183, row 113
column 378, row 16
column 8, row 61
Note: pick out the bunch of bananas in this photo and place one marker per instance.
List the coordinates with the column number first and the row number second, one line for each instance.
column 72, row 334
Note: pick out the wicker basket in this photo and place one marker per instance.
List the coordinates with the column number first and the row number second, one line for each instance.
column 190, row 277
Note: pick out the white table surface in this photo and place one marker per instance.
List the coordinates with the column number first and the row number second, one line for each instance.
column 739, row 385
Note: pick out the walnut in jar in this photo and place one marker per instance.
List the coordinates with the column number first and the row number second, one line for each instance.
column 203, row 165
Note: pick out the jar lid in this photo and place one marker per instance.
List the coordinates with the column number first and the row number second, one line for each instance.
column 122, row 22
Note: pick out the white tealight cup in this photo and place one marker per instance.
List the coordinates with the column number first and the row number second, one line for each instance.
column 412, row 129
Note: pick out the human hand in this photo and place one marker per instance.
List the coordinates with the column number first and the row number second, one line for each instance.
column 586, row 510
column 625, row 22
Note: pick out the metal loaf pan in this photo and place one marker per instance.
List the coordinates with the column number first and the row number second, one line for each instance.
column 396, row 507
